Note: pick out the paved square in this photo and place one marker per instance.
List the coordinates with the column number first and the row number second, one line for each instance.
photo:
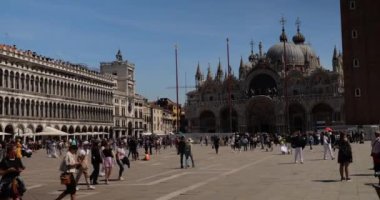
column 228, row 176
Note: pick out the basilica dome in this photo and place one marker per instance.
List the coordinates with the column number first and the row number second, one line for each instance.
column 294, row 54
column 307, row 51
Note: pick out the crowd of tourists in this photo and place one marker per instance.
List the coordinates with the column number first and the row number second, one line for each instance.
column 104, row 155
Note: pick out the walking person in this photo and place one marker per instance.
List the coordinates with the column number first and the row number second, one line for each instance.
column 68, row 166
column 108, row 162
column 216, row 144
column 344, row 156
column 188, row 153
column 181, row 149
column 311, row 141
column 83, row 169
column 375, row 153
column 96, row 160
column 12, row 186
column 327, row 146
column 120, row 156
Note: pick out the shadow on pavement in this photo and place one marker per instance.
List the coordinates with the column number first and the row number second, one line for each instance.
column 376, row 187
column 316, row 159
column 287, row 163
column 327, row 181
column 361, row 174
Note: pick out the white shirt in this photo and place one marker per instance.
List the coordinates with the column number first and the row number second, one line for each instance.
column 70, row 159
column 120, row 153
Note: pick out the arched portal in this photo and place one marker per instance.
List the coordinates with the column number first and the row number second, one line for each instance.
column 207, row 122
column 262, row 84
column 77, row 129
column 322, row 112
column 64, row 128
column 297, row 118
column 39, row 129
column 71, row 129
column 225, row 122
column 9, row 129
column 130, row 128
column 31, row 127
column 260, row 115
column 84, row 129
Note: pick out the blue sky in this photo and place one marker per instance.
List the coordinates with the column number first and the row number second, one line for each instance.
column 91, row 31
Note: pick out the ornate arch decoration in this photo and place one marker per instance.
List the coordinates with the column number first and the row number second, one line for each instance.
column 207, row 121
column 258, row 71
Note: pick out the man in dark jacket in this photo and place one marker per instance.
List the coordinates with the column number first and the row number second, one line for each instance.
column 181, row 149
column 298, row 144
column 216, row 141
column 96, row 159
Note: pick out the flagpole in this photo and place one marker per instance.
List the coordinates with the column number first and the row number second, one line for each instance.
column 286, row 112
column 176, row 80
column 229, row 85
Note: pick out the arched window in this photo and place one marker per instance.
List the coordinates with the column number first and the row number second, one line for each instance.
column 46, row 86
column 27, row 108
column 12, row 76
column 27, row 84
column 37, row 82
column 32, row 107
column 1, row 106
column 41, row 109
column 22, row 107
column 358, row 92
column 18, row 107
column 37, row 109
column 32, row 83
column 355, row 62
column 6, row 76
column 6, row 106
column 12, row 106
column 22, row 81
column 17, row 77
column 1, row 78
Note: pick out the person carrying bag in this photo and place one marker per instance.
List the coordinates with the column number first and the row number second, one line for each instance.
column 11, row 184
column 68, row 168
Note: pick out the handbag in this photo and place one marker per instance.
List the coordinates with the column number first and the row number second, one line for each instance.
column 65, row 179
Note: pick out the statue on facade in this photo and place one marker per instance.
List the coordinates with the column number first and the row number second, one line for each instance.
column 119, row 57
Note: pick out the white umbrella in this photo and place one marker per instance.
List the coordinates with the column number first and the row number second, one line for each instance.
column 2, row 133
column 147, row 133
column 49, row 131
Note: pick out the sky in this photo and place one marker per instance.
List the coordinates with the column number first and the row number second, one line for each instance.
column 146, row 31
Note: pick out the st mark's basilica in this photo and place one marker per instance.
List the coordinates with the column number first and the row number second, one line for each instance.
column 258, row 98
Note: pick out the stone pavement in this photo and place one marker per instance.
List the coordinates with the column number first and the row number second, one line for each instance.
column 228, row 176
